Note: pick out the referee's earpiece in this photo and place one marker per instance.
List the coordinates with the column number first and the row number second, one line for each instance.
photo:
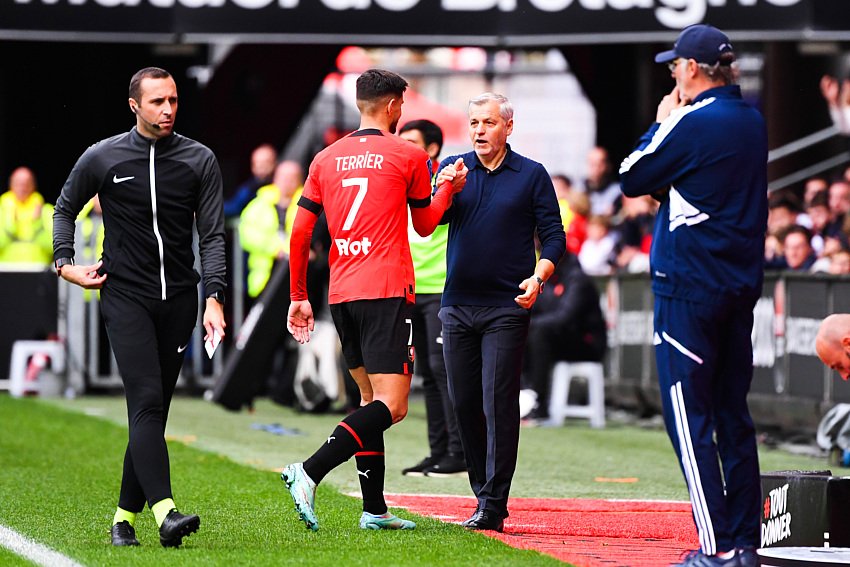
column 153, row 125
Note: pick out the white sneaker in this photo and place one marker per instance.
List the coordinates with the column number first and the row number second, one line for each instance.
column 385, row 521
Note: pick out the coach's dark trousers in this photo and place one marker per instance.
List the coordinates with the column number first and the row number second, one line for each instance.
column 483, row 347
column 149, row 338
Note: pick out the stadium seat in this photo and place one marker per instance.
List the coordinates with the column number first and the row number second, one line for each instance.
column 21, row 353
column 559, row 406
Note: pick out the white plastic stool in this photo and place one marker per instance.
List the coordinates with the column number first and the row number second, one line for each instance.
column 559, row 406
column 21, row 353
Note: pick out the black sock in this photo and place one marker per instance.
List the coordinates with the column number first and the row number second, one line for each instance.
column 370, row 471
column 347, row 439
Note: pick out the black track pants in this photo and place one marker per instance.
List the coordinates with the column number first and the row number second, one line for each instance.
column 148, row 337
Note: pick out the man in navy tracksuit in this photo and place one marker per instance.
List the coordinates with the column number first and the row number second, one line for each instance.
column 705, row 160
column 493, row 278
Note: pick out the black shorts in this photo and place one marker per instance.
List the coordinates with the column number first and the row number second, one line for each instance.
column 376, row 334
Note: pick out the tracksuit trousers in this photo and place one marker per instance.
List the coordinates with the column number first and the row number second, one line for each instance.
column 705, row 367
column 149, row 338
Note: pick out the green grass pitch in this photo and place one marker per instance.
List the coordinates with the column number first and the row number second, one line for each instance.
column 60, row 465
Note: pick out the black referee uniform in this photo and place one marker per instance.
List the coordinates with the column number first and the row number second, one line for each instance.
column 151, row 192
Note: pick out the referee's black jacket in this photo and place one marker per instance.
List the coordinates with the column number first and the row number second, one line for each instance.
column 150, row 192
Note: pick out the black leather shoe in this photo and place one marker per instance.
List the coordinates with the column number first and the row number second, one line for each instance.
column 123, row 534
column 485, row 520
column 474, row 515
column 176, row 526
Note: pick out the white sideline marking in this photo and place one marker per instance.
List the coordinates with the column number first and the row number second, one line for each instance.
column 32, row 550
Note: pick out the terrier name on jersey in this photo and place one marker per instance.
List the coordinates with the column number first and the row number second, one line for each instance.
column 360, row 161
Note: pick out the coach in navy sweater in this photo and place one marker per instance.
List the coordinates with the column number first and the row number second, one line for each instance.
column 492, row 281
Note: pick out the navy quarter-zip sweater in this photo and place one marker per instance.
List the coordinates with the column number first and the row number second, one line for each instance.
column 492, row 223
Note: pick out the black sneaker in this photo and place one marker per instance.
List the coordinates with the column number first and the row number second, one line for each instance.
column 450, row 465
column 697, row 558
column 123, row 534
column 176, row 526
column 419, row 468
column 748, row 557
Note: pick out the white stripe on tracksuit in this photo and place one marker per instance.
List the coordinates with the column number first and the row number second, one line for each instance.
column 159, row 244
column 681, row 348
column 663, row 130
column 702, row 517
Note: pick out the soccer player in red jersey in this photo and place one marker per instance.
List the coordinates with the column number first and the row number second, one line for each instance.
column 365, row 182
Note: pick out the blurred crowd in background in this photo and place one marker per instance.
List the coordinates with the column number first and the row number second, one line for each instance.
column 607, row 234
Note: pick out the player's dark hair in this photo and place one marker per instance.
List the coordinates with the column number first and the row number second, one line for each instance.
column 431, row 133
column 146, row 73
column 376, row 84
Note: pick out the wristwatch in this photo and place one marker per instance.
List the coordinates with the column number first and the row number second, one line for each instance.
column 540, row 284
column 62, row 262
column 218, row 296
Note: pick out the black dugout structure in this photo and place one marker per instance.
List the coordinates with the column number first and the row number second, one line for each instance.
column 248, row 69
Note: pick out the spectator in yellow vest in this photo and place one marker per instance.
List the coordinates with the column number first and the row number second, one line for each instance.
column 91, row 218
column 26, row 222
column 266, row 222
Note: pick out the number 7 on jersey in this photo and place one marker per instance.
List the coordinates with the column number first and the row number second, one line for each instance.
column 362, row 184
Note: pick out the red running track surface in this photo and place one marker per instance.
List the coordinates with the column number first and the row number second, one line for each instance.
column 586, row 533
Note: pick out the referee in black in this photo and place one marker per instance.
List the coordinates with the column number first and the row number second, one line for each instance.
column 153, row 184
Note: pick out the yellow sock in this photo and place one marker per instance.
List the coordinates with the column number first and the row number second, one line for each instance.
column 122, row 515
column 161, row 509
